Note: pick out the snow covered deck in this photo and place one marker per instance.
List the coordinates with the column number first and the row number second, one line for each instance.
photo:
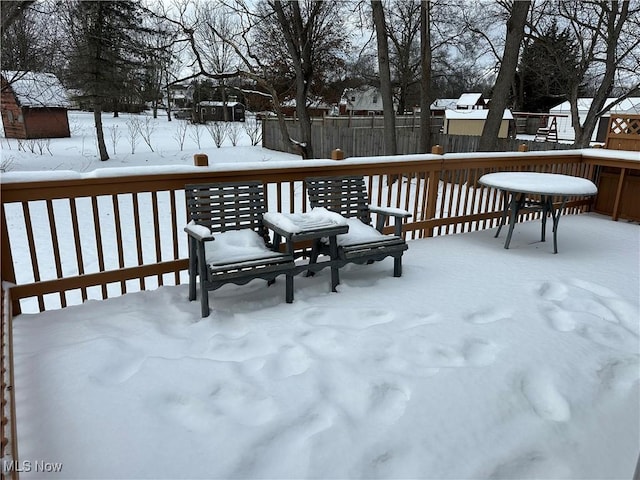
column 492, row 363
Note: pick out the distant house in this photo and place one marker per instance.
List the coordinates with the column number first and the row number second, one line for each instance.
column 181, row 96
column 471, row 122
column 564, row 122
column 316, row 108
column 214, row 111
column 363, row 101
column 34, row 105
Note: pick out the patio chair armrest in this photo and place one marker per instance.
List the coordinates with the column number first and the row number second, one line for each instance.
column 382, row 213
column 198, row 232
column 390, row 211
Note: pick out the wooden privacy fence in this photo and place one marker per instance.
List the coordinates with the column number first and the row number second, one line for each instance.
column 93, row 237
column 363, row 136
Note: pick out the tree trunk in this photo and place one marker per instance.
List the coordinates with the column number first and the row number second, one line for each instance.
column 102, row 147
column 614, row 25
column 500, row 97
column 299, row 45
column 425, row 80
column 390, row 147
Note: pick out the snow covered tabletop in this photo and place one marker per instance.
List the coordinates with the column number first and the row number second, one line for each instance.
column 539, row 183
column 316, row 219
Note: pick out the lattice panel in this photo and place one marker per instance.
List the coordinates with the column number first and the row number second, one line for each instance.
column 625, row 125
column 624, row 133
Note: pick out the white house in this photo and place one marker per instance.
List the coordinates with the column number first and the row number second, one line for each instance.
column 562, row 113
column 363, row 101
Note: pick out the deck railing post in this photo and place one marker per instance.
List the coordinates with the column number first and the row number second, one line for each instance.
column 201, row 160
column 337, row 154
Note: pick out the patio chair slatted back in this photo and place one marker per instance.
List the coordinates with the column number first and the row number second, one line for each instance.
column 344, row 195
column 227, row 206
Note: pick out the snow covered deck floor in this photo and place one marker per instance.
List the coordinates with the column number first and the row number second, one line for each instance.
column 479, row 362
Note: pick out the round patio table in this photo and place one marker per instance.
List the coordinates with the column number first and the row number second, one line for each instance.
column 520, row 186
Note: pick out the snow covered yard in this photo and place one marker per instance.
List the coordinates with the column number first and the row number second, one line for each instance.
column 479, row 362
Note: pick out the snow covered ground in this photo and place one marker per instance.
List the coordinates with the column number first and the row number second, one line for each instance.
column 479, row 362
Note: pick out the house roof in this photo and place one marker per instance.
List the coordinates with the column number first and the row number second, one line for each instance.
column 34, row 89
column 210, row 103
column 444, row 103
column 473, row 114
column 469, row 99
column 628, row 105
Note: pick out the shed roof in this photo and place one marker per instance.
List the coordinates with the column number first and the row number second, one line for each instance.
column 469, row 99
column 35, row 89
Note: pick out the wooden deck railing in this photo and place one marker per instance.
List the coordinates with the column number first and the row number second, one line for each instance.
column 124, row 232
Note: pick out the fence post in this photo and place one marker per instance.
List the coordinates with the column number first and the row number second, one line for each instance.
column 201, row 160
column 337, row 154
column 437, row 150
column 523, row 147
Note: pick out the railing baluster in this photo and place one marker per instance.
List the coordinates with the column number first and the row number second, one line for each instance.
column 156, row 231
column 78, row 244
column 32, row 250
column 138, row 230
column 119, row 242
column 98, row 235
column 56, row 248
column 174, row 231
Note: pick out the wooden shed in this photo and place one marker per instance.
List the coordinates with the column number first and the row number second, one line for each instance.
column 471, row 122
column 34, row 105
column 207, row 111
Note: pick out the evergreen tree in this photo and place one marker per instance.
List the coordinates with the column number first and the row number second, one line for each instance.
column 105, row 62
column 547, row 71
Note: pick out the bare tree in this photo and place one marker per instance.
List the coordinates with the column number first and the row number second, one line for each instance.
column 30, row 37
column 609, row 50
column 386, row 89
column 217, row 55
column 403, row 30
column 504, row 82
column 306, row 32
column 426, row 96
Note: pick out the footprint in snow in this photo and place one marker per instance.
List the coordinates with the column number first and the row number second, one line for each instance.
column 488, row 315
column 388, row 400
column 620, row 373
column 544, row 398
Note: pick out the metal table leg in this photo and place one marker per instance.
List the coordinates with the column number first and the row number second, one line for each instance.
column 505, row 210
column 515, row 203
column 555, row 213
column 333, row 253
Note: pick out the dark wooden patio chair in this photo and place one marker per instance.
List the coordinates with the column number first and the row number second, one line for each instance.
column 228, row 242
column 347, row 195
